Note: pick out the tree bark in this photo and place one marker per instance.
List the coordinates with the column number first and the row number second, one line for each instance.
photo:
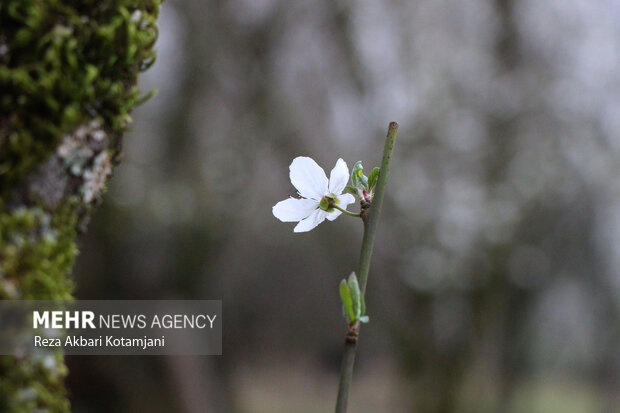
column 68, row 73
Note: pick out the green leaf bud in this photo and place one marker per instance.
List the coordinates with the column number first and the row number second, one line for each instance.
column 347, row 302
column 373, row 177
column 358, row 179
column 354, row 290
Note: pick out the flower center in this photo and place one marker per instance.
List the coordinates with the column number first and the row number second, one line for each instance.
column 328, row 201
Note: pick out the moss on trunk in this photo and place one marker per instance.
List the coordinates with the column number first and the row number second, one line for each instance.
column 68, row 72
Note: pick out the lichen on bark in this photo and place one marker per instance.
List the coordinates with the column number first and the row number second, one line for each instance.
column 68, row 73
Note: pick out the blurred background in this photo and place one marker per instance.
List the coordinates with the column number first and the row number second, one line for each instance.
column 495, row 284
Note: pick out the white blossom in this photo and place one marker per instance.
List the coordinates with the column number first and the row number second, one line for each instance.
column 311, row 182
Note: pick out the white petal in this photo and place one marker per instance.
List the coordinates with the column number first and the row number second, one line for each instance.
column 308, row 177
column 338, row 177
column 312, row 221
column 292, row 210
column 345, row 199
column 333, row 215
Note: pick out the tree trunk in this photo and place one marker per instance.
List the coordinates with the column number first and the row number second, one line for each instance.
column 68, row 72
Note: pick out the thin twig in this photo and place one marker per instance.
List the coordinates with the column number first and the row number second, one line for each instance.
column 371, row 219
